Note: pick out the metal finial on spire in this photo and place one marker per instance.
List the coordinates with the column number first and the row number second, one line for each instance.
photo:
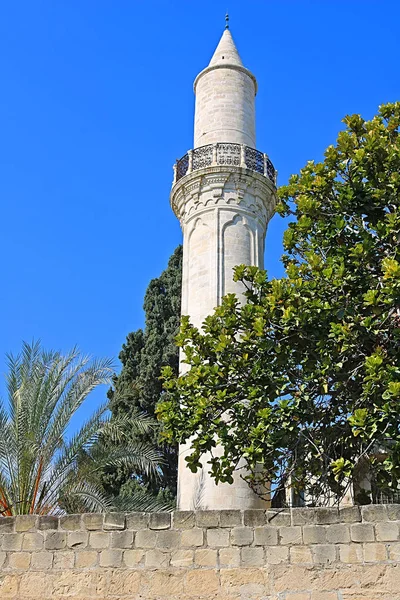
column 226, row 21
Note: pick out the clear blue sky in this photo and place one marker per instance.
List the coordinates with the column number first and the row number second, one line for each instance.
column 96, row 103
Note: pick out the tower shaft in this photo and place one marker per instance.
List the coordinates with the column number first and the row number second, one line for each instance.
column 224, row 196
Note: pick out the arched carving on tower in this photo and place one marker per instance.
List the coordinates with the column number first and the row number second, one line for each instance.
column 237, row 248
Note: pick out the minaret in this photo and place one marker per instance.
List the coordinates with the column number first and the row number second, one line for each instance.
column 223, row 195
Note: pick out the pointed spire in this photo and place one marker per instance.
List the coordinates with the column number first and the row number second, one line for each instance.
column 226, row 52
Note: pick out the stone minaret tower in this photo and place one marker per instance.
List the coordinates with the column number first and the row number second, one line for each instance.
column 223, row 195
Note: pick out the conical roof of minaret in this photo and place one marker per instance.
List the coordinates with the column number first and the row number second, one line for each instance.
column 226, row 52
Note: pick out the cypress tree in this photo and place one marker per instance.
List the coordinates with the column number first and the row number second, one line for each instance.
column 137, row 389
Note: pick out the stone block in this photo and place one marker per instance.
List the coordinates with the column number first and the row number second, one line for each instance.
column 77, row 539
column 133, row 558
column 324, row 596
column 362, row 532
column 303, row 516
column 301, row 555
column 393, row 512
column 113, row 521
column 387, row 531
column 351, row 554
column 266, row 536
column 252, row 557
column 279, row 518
column 168, row 539
column 99, row 540
column 375, row 553
column 394, row 552
column 32, row 541
column 276, row 555
column 19, row 560
column 12, row 542
column 47, row 522
column 205, row 557
column 183, row 519
column 166, row 584
column 9, row 586
column 85, row 559
column 7, row 524
column 205, row 582
column 230, row 518
column 217, row 538
column 182, row 558
column 3, row 556
column 338, row 534
column 35, row 586
column 122, row 539
column 242, row 536
column 156, row 559
column 327, row 516
column 42, row 561
column 290, row 535
column 63, row 560
column 229, row 557
column 71, row 522
column 192, row 537
column 207, row 518
column 350, row 514
column 123, row 585
column 324, row 554
column 93, row 521
column 55, row 540
column 145, row 539
column 254, row 518
column 373, row 513
column 314, row 534
column 110, row 558
column 161, row 520
column 239, row 581
column 137, row 520
column 25, row 523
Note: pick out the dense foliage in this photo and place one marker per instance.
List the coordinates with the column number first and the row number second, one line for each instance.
column 137, row 389
column 303, row 380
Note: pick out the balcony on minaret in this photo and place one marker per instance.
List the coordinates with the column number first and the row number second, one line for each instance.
column 219, row 154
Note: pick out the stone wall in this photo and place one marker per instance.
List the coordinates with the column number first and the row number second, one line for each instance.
column 298, row 554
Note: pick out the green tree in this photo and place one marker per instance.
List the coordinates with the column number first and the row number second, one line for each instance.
column 138, row 387
column 303, row 380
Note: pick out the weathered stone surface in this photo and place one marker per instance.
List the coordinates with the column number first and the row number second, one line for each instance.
column 350, row 514
column 55, row 540
column 324, row 554
column 362, row 532
column 375, row 552
column 206, row 557
column 303, row 516
column 301, row 555
column 145, row 539
column 47, row 522
column 167, row 539
column 373, row 513
column 71, row 522
column 279, row 518
column 122, row 539
column 77, row 539
column 338, row 534
column 229, row 557
column 276, row 555
column 192, row 537
column 393, row 512
column 351, row 554
column 204, row 581
column 182, row 558
column 93, row 521
column 326, row 516
column 314, row 534
column 157, row 559
column 207, row 518
column 42, row 561
column 7, row 524
column 242, row 536
column 12, row 541
column 217, row 538
column 63, row 560
column 160, row 520
column 183, row 519
column 137, row 520
column 252, row 557
column 133, row 558
column 230, row 518
column 266, row 536
column 254, row 518
column 387, row 531
column 86, row 559
column 111, row 558
column 114, row 521
column 99, row 540
column 32, row 541
column 20, row 560
column 290, row 535
column 25, row 523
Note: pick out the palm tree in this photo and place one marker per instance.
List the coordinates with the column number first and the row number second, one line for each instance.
column 41, row 468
